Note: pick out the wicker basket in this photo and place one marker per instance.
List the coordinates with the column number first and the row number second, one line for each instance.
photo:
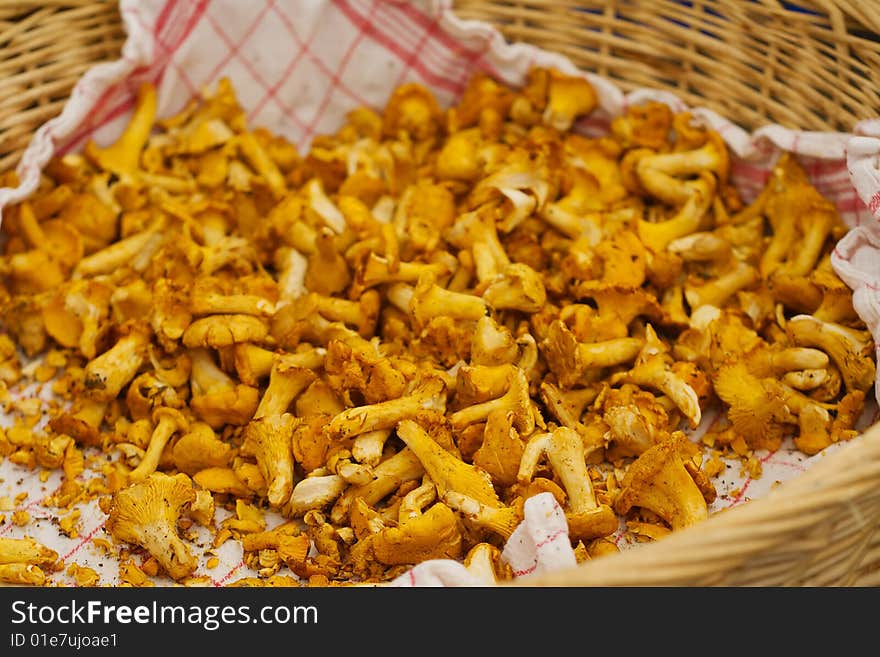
column 815, row 67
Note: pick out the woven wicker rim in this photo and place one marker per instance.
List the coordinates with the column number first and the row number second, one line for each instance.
column 812, row 68
column 817, row 68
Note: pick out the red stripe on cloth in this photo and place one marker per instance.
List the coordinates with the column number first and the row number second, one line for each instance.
column 387, row 41
column 427, row 22
column 137, row 67
column 164, row 15
column 530, row 569
column 336, row 77
column 749, row 480
column 170, row 46
column 271, row 90
column 472, row 56
column 272, row 93
column 416, row 53
column 75, row 141
column 839, row 190
column 220, row 582
column 403, row 30
column 458, row 64
column 851, row 206
column 235, row 48
column 185, row 27
column 427, row 53
column 453, row 65
column 525, row 571
column 549, row 539
column 97, row 118
column 85, row 539
column 317, row 61
column 154, row 74
column 789, row 464
column 165, row 29
column 741, row 492
column 168, row 42
column 816, row 168
column 874, row 203
column 749, row 173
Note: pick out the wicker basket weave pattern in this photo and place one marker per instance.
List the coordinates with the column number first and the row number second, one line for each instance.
column 816, row 67
column 46, row 47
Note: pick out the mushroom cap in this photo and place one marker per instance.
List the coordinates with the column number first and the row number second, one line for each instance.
column 146, row 513
column 199, row 448
column 598, row 522
column 659, row 481
column 234, row 407
column 224, row 330
column 435, row 534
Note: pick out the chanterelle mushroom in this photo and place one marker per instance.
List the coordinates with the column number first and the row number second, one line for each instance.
column 658, row 480
column 564, row 449
column 462, row 486
column 433, row 533
column 146, row 514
